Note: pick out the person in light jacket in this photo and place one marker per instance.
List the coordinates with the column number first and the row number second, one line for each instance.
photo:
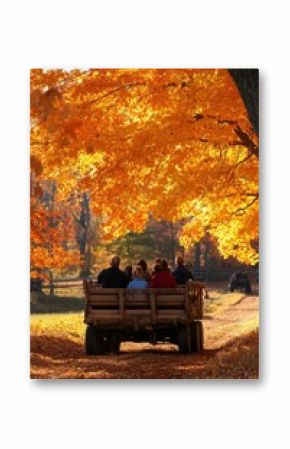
column 138, row 279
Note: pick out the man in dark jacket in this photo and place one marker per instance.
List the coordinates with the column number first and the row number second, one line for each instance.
column 113, row 277
column 181, row 274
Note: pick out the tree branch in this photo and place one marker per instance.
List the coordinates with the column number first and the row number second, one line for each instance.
column 241, row 210
column 113, row 91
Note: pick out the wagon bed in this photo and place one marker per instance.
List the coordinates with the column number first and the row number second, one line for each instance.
column 167, row 314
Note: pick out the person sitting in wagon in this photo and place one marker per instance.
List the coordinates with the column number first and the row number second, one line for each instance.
column 156, row 269
column 129, row 272
column 138, row 279
column 181, row 274
column 143, row 264
column 163, row 279
column 113, row 277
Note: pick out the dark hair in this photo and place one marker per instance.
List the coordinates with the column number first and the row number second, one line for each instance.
column 142, row 264
column 115, row 262
column 128, row 272
column 157, row 268
column 179, row 260
column 164, row 265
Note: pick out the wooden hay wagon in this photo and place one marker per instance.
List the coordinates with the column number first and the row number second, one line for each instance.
column 171, row 315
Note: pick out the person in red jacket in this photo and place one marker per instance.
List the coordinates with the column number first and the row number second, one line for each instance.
column 163, row 279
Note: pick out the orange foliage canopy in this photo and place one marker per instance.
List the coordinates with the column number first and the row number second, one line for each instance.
column 50, row 230
column 174, row 143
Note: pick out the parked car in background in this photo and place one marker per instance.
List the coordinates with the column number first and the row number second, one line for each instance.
column 240, row 281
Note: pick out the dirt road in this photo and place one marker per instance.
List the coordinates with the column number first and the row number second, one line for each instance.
column 231, row 351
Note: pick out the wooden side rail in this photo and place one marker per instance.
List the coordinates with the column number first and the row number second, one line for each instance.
column 196, row 294
column 166, row 297
column 154, row 305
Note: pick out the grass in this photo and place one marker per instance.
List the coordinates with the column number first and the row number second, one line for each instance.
column 219, row 300
column 68, row 325
column 42, row 303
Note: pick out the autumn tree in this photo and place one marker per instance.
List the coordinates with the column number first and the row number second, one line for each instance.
column 176, row 144
column 159, row 239
column 51, row 229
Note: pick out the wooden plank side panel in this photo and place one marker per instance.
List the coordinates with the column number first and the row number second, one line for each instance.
column 121, row 304
column 171, row 315
column 100, row 312
column 137, row 306
column 169, row 300
column 139, row 313
column 96, row 289
column 155, row 304
column 137, row 298
column 97, row 299
column 196, row 290
column 103, row 317
column 167, row 291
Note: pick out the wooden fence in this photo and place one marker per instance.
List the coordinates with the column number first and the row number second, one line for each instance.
column 210, row 276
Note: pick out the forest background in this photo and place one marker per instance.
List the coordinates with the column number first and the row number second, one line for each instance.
column 144, row 163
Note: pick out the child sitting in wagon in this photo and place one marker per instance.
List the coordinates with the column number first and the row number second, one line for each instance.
column 138, row 279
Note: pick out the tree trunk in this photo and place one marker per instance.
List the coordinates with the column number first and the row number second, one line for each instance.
column 51, row 225
column 172, row 244
column 51, row 288
column 206, row 258
column 84, row 236
column 247, row 81
column 197, row 254
column 128, row 249
column 65, row 235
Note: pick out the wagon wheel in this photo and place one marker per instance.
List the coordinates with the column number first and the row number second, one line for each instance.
column 115, row 343
column 91, row 340
column 197, row 342
column 184, row 339
column 95, row 342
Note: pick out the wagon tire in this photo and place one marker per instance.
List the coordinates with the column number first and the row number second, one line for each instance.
column 115, row 344
column 91, row 340
column 184, row 339
column 95, row 342
column 197, row 342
